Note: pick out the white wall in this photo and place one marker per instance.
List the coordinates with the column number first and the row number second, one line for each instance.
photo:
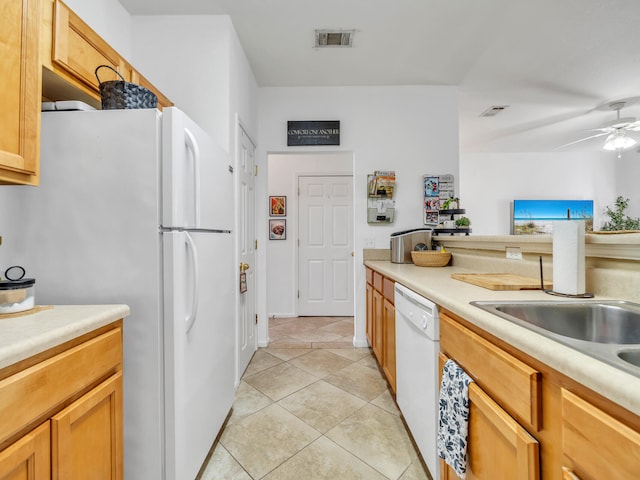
column 284, row 170
column 627, row 178
column 197, row 61
column 187, row 58
column 410, row 129
column 107, row 18
column 490, row 182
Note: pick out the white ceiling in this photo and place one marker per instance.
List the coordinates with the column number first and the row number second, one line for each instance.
column 556, row 63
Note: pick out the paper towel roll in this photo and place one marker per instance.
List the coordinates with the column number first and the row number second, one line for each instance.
column 568, row 257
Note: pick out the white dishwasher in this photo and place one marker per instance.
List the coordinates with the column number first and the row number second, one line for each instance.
column 417, row 388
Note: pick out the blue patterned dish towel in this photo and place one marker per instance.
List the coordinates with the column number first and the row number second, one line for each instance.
column 453, row 418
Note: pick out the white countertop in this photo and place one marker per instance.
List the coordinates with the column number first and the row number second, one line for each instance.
column 24, row 336
column 454, row 295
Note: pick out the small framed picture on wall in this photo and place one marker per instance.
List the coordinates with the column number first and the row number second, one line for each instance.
column 277, row 229
column 278, row 206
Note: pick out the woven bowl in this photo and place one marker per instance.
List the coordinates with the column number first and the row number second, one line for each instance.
column 430, row 258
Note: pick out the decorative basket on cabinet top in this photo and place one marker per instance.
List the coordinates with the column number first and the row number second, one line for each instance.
column 120, row 94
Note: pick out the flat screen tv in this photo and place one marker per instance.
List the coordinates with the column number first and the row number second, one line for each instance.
column 536, row 217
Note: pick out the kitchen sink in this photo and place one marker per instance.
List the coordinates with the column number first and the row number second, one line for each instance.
column 607, row 330
column 630, row 356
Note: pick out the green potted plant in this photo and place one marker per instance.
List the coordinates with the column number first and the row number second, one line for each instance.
column 618, row 220
column 451, row 203
column 462, row 222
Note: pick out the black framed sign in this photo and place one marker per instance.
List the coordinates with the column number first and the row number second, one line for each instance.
column 313, row 132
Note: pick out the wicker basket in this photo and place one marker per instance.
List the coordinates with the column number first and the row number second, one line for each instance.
column 119, row 94
column 430, row 258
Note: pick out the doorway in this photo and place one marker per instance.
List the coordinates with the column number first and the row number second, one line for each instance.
column 284, row 171
column 325, row 245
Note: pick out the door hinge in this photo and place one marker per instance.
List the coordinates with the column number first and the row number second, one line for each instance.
column 298, row 293
column 256, row 245
column 255, row 174
column 256, row 318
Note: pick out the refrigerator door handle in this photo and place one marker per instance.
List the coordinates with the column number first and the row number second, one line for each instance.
column 191, row 318
column 192, row 144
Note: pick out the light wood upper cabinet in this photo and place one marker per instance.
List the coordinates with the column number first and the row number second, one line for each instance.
column 20, row 91
column 71, row 52
column 78, row 50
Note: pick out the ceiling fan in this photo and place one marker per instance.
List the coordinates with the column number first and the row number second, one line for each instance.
column 616, row 131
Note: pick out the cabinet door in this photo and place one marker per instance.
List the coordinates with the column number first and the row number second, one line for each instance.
column 389, row 343
column 28, row 458
column 86, row 437
column 498, row 447
column 78, row 50
column 509, row 381
column 378, row 324
column 595, row 444
column 370, row 314
column 20, row 91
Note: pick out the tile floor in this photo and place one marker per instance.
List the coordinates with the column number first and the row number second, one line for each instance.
column 310, row 406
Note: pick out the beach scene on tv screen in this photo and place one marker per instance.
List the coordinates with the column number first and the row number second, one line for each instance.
column 536, row 217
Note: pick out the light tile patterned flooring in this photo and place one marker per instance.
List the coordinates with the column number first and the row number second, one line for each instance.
column 310, row 406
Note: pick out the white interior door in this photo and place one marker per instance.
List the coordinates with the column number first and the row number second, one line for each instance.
column 325, row 246
column 245, row 200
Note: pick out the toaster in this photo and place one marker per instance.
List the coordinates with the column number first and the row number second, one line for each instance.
column 402, row 243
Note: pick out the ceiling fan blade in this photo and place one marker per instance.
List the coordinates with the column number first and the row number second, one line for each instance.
column 583, row 139
column 603, row 129
column 635, row 126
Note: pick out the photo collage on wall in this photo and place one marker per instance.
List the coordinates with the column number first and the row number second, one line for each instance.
column 437, row 189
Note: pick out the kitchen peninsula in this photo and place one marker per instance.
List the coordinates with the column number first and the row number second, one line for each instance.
column 582, row 414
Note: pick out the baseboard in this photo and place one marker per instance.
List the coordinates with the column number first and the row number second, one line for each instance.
column 360, row 343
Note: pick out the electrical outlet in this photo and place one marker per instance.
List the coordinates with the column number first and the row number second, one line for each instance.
column 514, row 253
column 370, row 242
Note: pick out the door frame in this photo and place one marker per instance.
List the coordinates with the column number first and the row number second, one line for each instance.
column 296, row 263
column 239, row 129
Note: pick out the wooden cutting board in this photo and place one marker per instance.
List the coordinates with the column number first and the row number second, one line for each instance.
column 501, row 281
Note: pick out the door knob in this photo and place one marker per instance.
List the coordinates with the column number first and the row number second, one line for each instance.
column 244, row 267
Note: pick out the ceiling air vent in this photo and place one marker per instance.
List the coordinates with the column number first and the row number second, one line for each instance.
column 493, row 111
column 334, row 38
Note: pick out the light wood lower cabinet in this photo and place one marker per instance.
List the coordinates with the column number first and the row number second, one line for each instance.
column 381, row 323
column 517, row 400
column 389, row 343
column 62, row 413
column 87, row 435
column 378, row 316
column 499, row 448
column 595, row 445
column 29, row 457
column 369, row 328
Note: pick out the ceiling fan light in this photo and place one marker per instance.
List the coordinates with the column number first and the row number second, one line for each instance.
column 618, row 141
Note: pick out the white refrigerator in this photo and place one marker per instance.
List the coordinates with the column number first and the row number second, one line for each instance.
column 136, row 207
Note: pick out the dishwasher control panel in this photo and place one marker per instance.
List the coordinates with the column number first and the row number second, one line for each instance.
column 420, row 311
